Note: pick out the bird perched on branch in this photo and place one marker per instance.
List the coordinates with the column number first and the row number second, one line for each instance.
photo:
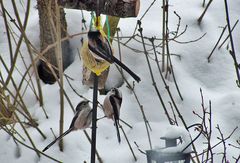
column 81, row 120
column 111, row 107
column 101, row 49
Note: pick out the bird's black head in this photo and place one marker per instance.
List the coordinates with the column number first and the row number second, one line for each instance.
column 116, row 92
column 82, row 104
column 114, row 89
column 93, row 34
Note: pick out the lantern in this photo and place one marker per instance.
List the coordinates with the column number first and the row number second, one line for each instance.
column 160, row 156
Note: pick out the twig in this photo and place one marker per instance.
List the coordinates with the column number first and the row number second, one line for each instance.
column 129, row 145
column 14, row 60
column 175, row 33
column 12, row 131
column 234, row 146
column 147, row 125
column 55, row 76
column 228, row 34
column 126, row 123
column 215, row 145
column 53, row 133
column 21, row 103
column 168, row 68
column 201, row 17
column 140, row 150
column 216, row 43
column 135, row 30
column 210, row 131
column 171, row 66
column 7, row 31
column 84, row 27
column 203, row 4
column 74, row 90
column 165, row 9
column 191, row 41
column 119, row 48
column 224, row 159
column 237, row 159
column 232, row 52
column 27, row 134
column 146, row 122
column 55, row 43
column 27, row 67
column 27, row 146
column 192, row 142
column 22, row 29
column 164, row 82
column 174, row 115
column 152, row 77
column 58, row 51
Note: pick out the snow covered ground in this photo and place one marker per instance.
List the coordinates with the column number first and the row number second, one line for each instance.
column 216, row 79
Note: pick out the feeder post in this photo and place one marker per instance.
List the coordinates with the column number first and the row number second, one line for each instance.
column 94, row 119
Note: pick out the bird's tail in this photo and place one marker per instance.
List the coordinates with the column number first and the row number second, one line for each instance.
column 116, row 122
column 58, row 138
column 137, row 78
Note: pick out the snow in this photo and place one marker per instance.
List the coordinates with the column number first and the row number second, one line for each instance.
column 175, row 132
column 217, row 80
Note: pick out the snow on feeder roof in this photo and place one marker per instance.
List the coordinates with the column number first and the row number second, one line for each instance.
column 172, row 151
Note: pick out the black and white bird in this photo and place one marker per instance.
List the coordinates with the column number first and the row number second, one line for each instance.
column 111, row 107
column 101, row 49
column 81, row 120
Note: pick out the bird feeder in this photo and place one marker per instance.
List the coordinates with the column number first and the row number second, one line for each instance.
column 159, row 156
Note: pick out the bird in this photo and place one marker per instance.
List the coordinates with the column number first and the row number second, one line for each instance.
column 81, row 120
column 111, row 107
column 101, row 49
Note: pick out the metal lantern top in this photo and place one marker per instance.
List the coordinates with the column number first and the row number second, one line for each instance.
column 177, row 147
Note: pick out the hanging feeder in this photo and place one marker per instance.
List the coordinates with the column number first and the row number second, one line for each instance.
column 96, row 66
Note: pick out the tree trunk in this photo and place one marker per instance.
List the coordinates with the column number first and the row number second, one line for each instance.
column 119, row 8
column 47, row 21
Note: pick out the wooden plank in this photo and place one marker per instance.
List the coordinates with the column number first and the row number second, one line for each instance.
column 119, row 8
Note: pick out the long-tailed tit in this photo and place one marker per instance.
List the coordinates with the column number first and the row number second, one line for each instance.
column 81, row 120
column 111, row 107
column 100, row 47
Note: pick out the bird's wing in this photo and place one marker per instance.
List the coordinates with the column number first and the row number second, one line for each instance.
column 119, row 99
column 74, row 119
column 100, row 48
column 108, row 46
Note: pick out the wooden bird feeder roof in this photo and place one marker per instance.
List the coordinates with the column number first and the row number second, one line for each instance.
column 118, row 8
